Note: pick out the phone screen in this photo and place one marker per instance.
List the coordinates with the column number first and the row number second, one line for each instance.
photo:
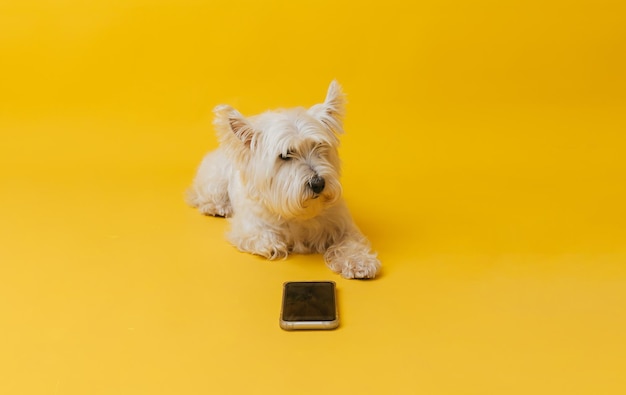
column 309, row 301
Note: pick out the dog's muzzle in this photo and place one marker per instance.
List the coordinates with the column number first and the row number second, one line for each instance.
column 317, row 184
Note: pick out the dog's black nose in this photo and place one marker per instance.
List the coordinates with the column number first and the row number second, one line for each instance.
column 317, row 184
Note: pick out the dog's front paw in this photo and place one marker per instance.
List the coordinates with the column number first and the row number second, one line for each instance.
column 352, row 260
column 265, row 244
column 219, row 209
column 216, row 204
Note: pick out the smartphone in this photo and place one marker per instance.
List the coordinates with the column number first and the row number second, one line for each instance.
column 309, row 305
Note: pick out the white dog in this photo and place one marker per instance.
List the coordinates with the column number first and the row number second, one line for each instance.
column 276, row 176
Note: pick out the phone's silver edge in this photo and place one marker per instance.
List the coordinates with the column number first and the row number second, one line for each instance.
column 298, row 325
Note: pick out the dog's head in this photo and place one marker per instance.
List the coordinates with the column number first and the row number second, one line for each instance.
column 287, row 159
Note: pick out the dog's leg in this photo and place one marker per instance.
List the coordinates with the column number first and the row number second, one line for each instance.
column 209, row 192
column 257, row 238
column 351, row 256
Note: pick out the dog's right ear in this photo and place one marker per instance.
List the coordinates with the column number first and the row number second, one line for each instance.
column 331, row 112
column 228, row 117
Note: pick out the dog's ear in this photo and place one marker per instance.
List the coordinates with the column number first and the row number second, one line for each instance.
column 232, row 120
column 331, row 112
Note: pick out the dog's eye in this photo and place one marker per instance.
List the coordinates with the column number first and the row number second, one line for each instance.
column 286, row 156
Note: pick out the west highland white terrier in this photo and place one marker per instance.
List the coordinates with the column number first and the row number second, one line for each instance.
column 276, row 176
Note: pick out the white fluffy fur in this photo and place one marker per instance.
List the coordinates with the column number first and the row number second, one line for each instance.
column 265, row 176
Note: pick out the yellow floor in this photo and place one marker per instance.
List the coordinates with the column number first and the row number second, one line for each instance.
column 484, row 158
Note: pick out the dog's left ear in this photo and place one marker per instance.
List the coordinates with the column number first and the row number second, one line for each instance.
column 331, row 112
column 230, row 120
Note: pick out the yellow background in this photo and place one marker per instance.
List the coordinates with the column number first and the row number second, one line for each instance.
column 484, row 158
